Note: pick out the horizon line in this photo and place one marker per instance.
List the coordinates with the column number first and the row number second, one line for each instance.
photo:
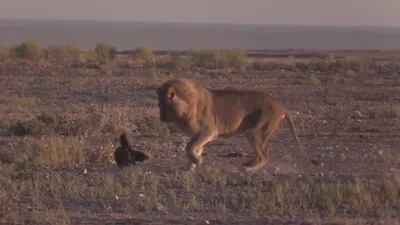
column 197, row 23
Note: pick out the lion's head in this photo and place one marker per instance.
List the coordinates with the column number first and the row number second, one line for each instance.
column 175, row 100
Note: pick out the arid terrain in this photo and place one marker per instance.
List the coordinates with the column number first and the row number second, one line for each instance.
column 61, row 118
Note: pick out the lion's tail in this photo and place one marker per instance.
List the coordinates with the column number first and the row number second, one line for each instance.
column 292, row 128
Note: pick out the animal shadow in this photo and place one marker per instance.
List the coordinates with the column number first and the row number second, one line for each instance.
column 125, row 156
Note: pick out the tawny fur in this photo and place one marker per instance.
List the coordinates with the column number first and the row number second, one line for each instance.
column 205, row 114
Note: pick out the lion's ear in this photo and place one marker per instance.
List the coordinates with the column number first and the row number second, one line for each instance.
column 172, row 94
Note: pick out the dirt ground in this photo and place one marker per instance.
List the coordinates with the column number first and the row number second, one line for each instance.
column 352, row 127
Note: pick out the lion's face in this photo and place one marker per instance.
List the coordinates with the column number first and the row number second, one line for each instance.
column 168, row 104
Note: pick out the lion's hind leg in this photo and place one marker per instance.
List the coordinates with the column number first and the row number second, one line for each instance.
column 256, row 144
column 250, row 138
column 258, row 139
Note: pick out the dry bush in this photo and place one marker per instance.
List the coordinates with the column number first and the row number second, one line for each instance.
column 204, row 59
column 219, row 59
column 174, row 61
column 144, row 55
column 4, row 52
column 64, row 54
column 31, row 50
column 106, row 55
column 105, row 52
column 233, row 58
column 330, row 58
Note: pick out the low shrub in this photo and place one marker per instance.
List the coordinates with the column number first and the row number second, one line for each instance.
column 31, row 50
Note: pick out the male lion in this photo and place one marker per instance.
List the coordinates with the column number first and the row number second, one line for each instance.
column 205, row 114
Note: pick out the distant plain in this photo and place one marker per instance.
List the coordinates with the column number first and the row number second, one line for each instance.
column 163, row 36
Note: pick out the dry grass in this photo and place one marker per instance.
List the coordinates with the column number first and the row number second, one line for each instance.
column 48, row 192
column 312, row 80
column 58, row 134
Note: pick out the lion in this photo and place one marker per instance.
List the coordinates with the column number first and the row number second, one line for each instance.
column 205, row 114
column 125, row 156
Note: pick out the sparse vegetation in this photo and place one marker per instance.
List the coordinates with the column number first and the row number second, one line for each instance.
column 313, row 80
column 59, row 127
column 106, row 55
column 105, row 52
column 144, row 55
column 219, row 59
column 174, row 61
column 31, row 50
column 64, row 54
column 4, row 52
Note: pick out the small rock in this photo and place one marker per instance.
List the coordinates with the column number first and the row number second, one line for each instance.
column 159, row 206
column 276, row 170
column 84, row 171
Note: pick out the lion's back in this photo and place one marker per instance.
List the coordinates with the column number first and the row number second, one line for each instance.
column 242, row 109
column 241, row 100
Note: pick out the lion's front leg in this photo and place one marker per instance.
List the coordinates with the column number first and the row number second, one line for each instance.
column 194, row 147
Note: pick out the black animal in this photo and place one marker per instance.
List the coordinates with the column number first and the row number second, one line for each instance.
column 125, row 155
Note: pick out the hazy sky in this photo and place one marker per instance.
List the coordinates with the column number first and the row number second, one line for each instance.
column 308, row 12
